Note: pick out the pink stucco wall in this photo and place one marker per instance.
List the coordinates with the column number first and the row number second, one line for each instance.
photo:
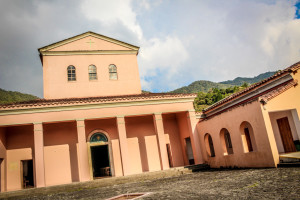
column 175, row 140
column 56, row 84
column 142, row 138
column 84, row 44
column 252, row 113
column 19, row 145
column 60, row 153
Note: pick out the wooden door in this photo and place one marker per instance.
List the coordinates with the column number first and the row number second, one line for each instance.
column 286, row 135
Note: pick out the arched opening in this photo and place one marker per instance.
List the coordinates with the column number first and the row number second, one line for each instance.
column 226, row 141
column 248, row 138
column 100, row 155
column 209, row 145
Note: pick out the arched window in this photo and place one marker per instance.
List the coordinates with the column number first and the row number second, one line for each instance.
column 248, row 138
column 71, row 73
column 92, row 72
column 98, row 137
column 226, row 141
column 113, row 75
column 209, row 145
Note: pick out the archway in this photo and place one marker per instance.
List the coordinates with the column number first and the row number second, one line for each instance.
column 99, row 154
column 226, row 141
column 209, row 145
column 248, row 138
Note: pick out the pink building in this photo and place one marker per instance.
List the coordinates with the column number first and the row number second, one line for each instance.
column 94, row 120
column 255, row 127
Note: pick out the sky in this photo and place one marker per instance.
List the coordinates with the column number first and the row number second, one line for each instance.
column 180, row 41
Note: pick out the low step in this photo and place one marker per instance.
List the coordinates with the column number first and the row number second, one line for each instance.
column 198, row 167
column 290, row 164
column 288, row 160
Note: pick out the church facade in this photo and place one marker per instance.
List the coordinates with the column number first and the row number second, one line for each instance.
column 94, row 121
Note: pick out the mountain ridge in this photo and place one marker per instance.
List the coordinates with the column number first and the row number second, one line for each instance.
column 206, row 86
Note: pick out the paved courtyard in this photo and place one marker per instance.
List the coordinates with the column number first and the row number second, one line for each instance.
column 280, row 183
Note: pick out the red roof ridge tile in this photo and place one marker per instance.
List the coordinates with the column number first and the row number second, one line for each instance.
column 270, row 95
column 42, row 102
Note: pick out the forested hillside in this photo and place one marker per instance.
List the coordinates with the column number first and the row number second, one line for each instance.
column 200, row 86
column 11, row 97
column 206, row 86
column 241, row 80
column 209, row 92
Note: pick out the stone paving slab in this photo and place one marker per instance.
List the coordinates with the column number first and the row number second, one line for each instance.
column 272, row 183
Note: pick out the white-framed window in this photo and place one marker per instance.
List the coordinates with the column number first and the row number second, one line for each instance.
column 92, row 72
column 71, row 73
column 113, row 75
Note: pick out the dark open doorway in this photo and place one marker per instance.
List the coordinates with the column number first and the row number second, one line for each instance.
column 169, row 155
column 189, row 150
column 100, row 161
column 27, row 172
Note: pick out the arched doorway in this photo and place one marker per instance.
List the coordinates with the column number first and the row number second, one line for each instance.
column 99, row 154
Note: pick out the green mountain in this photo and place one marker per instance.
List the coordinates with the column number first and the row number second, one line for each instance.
column 240, row 80
column 200, row 86
column 206, row 86
column 12, row 97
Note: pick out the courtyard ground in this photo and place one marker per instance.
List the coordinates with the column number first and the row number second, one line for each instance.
column 272, row 183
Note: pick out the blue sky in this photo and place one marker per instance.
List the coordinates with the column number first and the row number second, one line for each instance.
column 181, row 41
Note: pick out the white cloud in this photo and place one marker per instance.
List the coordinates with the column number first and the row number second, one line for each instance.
column 110, row 13
column 181, row 41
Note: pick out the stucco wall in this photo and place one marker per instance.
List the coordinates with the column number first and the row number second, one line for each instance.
column 171, row 129
column 142, row 138
column 60, row 153
column 19, row 144
column 56, row 84
column 232, row 120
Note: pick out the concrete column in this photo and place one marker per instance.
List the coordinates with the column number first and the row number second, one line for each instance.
column 123, row 145
column 83, row 160
column 39, row 165
column 192, row 123
column 159, row 129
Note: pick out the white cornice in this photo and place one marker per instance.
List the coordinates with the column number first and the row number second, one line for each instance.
column 97, row 52
column 81, row 36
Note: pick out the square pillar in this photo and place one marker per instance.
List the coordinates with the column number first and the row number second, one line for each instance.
column 83, row 160
column 192, row 123
column 39, row 165
column 123, row 145
column 159, row 129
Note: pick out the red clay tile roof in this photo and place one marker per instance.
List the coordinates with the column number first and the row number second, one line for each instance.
column 290, row 69
column 103, row 99
column 270, row 95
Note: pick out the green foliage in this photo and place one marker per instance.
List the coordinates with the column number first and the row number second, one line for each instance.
column 145, row 91
column 12, row 97
column 203, row 100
